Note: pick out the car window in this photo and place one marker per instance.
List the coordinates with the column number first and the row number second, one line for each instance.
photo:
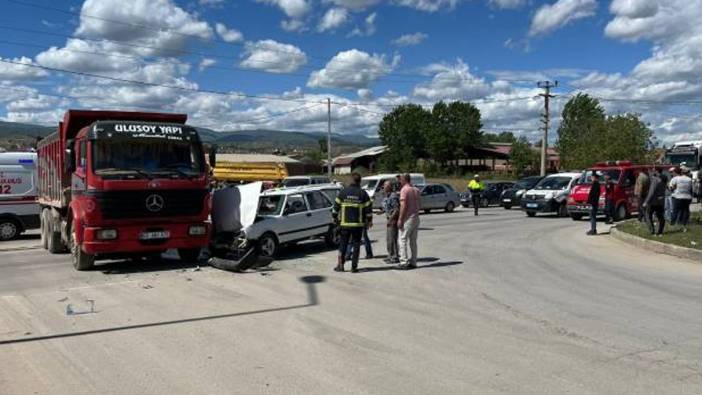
column 295, row 204
column 270, row 205
column 629, row 178
column 296, row 182
column 448, row 187
column 428, row 190
column 317, row 201
column 439, row 189
column 331, row 193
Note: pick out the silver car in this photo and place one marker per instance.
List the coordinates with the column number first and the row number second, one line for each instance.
column 439, row 197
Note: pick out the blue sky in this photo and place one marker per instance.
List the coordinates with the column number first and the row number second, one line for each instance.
column 366, row 55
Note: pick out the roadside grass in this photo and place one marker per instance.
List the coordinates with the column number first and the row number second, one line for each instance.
column 672, row 234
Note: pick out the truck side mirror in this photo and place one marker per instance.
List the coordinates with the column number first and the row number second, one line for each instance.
column 213, row 156
column 70, row 157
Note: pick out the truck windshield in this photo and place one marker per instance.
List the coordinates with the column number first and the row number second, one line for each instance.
column 613, row 173
column 147, row 158
column 689, row 160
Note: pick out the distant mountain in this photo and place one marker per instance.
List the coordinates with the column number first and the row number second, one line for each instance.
column 260, row 140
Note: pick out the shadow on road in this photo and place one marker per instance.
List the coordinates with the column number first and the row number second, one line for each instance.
column 312, row 300
column 394, row 267
column 145, row 266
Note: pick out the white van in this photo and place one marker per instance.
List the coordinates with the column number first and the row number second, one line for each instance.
column 373, row 185
column 19, row 210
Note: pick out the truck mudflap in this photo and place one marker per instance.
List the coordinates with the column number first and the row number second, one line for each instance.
column 234, row 253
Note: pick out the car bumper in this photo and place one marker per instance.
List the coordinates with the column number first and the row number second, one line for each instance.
column 128, row 239
column 543, row 206
column 584, row 209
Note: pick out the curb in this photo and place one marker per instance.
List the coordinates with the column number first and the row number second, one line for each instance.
column 657, row 246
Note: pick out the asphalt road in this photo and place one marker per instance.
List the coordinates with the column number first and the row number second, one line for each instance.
column 501, row 303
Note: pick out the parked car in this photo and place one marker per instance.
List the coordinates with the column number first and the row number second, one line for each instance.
column 550, row 194
column 19, row 210
column 373, row 185
column 293, row 214
column 438, row 197
column 298, row 181
column 513, row 196
column 624, row 175
column 489, row 196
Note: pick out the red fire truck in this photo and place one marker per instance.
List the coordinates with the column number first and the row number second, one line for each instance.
column 123, row 184
column 623, row 174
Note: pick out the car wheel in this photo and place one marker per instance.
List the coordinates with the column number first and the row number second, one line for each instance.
column 484, row 202
column 9, row 229
column 576, row 217
column 531, row 214
column 332, row 238
column 449, row 207
column 621, row 213
column 507, row 207
column 190, row 255
column 268, row 245
column 563, row 210
column 81, row 260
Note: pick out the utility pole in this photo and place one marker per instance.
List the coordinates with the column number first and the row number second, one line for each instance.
column 546, row 86
column 329, row 155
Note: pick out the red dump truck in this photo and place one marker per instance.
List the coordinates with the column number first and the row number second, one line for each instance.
column 116, row 185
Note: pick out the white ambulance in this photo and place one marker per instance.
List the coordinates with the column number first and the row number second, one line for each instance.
column 19, row 210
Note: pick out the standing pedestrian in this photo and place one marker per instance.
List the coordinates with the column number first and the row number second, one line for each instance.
column 609, row 199
column 408, row 223
column 366, row 244
column 352, row 212
column 640, row 192
column 674, row 205
column 391, row 208
column 655, row 203
column 681, row 185
column 593, row 199
column 476, row 187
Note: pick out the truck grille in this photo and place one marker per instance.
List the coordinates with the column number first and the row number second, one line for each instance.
column 150, row 203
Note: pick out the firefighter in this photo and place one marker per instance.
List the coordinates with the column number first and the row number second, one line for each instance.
column 476, row 187
column 352, row 212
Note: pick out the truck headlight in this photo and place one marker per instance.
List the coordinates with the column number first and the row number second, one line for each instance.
column 106, row 234
column 197, row 230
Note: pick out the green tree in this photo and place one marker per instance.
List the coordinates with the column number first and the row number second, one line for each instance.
column 581, row 131
column 522, row 156
column 403, row 131
column 454, row 129
column 627, row 137
column 502, row 137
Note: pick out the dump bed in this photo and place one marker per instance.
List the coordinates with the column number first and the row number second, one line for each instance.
column 249, row 172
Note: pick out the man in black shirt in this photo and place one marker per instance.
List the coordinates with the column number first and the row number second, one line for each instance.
column 593, row 198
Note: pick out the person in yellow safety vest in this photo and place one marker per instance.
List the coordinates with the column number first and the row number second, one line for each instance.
column 352, row 213
column 476, row 187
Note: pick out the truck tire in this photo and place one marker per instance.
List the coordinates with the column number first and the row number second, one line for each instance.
column 189, row 254
column 54, row 242
column 81, row 260
column 44, row 230
column 9, row 229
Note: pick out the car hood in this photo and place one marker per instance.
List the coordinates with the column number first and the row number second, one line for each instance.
column 235, row 208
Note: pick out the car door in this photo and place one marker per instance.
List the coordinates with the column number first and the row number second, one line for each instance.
column 296, row 216
column 440, row 196
column 426, row 196
column 320, row 210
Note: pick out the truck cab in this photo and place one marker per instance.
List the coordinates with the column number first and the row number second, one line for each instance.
column 688, row 154
column 115, row 184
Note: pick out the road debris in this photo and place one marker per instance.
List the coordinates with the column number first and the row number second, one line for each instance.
column 71, row 311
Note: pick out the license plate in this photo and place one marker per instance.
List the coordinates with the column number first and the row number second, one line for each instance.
column 507, row 200
column 532, row 205
column 155, row 235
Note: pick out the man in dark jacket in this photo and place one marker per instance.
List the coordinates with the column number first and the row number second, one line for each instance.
column 655, row 203
column 609, row 199
column 352, row 212
column 593, row 199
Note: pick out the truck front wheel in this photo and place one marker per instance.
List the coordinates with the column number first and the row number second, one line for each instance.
column 189, row 254
column 81, row 260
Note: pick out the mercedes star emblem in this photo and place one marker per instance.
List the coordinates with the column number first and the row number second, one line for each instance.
column 154, row 203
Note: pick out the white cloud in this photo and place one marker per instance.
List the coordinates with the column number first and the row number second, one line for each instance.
column 451, row 82
column 550, row 17
column 332, row 19
column 532, row 76
column 87, row 56
column 205, row 63
column 228, row 35
column 508, row 4
column 272, row 56
column 365, row 94
column 212, row 3
column 354, row 5
column 169, row 26
column 17, row 72
column 406, row 40
column 293, row 25
column 368, row 28
column 428, row 5
column 352, row 69
column 295, row 9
